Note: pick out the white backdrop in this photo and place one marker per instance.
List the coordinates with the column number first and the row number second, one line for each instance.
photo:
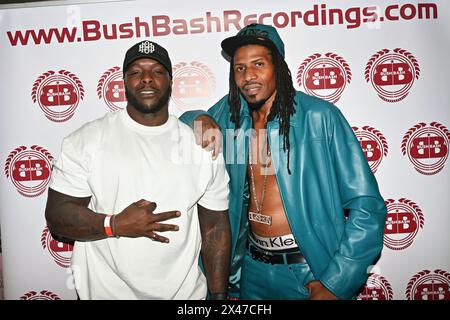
column 385, row 65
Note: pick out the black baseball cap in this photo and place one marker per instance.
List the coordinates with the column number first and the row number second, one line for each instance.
column 148, row 49
column 254, row 34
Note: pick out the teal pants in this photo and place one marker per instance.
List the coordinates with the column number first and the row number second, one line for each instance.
column 265, row 281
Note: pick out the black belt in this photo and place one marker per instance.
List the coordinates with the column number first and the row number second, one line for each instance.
column 275, row 258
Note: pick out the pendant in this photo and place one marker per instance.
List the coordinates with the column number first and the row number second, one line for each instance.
column 260, row 218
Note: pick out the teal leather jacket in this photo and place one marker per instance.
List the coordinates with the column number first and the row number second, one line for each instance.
column 331, row 197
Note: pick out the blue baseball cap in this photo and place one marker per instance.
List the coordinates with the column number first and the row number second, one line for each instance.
column 254, row 34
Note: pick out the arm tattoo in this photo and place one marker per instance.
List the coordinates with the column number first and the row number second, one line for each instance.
column 216, row 247
column 68, row 217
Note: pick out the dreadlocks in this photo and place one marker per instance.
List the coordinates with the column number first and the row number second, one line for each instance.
column 282, row 106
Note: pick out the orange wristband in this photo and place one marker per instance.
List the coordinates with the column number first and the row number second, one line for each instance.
column 107, row 225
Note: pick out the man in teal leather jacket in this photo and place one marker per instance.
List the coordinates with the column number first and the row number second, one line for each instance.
column 306, row 214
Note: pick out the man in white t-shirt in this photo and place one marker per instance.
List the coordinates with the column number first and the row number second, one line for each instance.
column 141, row 200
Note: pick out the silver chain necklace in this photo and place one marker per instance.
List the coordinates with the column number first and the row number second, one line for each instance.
column 252, row 180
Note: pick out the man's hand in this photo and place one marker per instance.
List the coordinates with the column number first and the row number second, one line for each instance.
column 318, row 292
column 138, row 220
column 208, row 135
column 69, row 217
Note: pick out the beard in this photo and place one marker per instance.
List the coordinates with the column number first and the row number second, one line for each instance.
column 156, row 107
column 255, row 106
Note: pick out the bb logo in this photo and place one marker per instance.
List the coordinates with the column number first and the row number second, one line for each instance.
column 324, row 77
column 60, row 251
column 427, row 285
column 43, row 295
column 376, row 288
column 193, row 85
column 427, row 147
column 373, row 144
column 58, row 94
column 404, row 218
column 30, row 170
column 392, row 74
column 111, row 88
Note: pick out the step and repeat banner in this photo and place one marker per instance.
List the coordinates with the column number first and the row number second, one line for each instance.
column 385, row 64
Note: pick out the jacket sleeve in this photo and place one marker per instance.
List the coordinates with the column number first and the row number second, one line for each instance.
column 362, row 240
column 189, row 117
column 216, row 112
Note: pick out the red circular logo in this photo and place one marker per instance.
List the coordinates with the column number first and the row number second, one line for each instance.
column 30, row 170
column 111, row 88
column 374, row 145
column 193, row 85
column 392, row 74
column 61, row 252
column 404, row 218
column 43, row 295
column 324, row 77
column 57, row 94
column 427, row 147
column 427, row 285
column 376, row 288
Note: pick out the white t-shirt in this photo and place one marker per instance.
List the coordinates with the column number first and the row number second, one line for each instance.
column 118, row 161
